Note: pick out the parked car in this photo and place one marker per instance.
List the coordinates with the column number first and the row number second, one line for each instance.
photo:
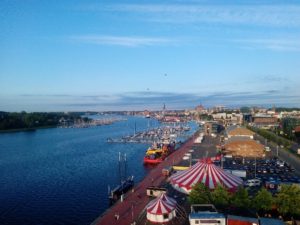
column 267, row 148
column 280, row 163
column 252, row 183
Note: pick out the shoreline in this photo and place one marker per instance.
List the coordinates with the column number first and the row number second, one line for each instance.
column 25, row 129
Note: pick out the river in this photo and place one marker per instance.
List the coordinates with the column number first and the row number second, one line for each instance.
column 61, row 175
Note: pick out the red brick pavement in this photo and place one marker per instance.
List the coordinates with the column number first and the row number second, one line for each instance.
column 135, row 202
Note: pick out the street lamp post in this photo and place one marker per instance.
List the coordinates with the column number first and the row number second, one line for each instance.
column 132, row 213
column 255, row 168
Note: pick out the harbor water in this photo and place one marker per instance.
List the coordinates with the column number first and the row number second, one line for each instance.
column 61, row 175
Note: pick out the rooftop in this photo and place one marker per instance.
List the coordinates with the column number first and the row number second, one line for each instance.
column 270, row 221
column 245, row 148
column 241, row 131
column 206, row 215
column 241, row 218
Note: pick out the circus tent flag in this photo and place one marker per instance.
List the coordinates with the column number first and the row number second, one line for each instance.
column 206, row 173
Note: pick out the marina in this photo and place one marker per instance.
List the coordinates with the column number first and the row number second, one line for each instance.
column 163, row 134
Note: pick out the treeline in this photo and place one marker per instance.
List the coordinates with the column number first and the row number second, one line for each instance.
column 286, row 201
column 23, row 120
column 284, row 109
column 271, row 136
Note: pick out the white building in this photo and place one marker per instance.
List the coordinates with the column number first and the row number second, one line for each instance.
column 206, row 215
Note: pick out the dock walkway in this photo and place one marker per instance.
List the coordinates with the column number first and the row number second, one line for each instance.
column 128, row 211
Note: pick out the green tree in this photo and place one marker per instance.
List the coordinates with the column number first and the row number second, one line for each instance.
column 200, row 194
column 263, row 200
column 241, row 199
column 288, row 200
column 245, row 109
column 220, row 197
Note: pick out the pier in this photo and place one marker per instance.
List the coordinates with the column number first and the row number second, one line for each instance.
column 128, row 211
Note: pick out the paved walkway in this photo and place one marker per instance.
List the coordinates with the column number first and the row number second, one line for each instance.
column 135, row 202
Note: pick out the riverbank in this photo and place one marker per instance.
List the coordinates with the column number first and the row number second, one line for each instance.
column 134, row 202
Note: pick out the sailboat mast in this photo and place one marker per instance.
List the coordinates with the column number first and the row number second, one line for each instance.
column 120, row 176
column 134, row 128
column 125, row 165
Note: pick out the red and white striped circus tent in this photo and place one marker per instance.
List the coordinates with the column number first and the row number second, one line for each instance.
column 207, row 173
column 161, row 209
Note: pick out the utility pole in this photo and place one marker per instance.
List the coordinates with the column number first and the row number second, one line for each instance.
column 277, row 148
column 132, row 212
column 255, row 168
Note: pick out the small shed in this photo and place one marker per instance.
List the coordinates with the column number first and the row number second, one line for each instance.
column 161, row 209
column 240, row 220
column 153, row 191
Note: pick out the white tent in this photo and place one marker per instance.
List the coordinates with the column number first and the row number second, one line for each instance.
column 161, row 209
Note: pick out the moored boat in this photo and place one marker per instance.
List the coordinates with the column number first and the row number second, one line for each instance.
column 125, row 186
column 157, row 153
column 152, row 159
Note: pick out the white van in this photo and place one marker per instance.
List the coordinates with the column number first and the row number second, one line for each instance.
column 252, row 183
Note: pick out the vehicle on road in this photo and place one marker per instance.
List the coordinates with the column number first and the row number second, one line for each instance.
column 252, row 183
column 267, row 149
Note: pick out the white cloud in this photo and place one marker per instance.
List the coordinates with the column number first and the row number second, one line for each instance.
column 255, row 14
column 270, row 44
column 121, row 40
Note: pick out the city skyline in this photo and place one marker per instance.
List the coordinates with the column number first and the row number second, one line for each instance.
column 112, row 55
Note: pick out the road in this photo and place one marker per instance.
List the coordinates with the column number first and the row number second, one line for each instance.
column 282, row 154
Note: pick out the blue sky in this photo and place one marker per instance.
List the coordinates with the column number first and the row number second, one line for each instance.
column 116, row 55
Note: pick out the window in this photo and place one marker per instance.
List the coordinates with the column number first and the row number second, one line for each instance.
column 166, row 216
column 197, row 222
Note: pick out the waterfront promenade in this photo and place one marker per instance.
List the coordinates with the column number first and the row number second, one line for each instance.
column 128, row 211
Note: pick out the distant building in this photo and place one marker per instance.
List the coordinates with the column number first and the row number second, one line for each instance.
column 219, row 116
column 264, row 121
column 200, row 109
column 228, row 118
column 146, row 113
column 211, row 128
column 247, row 117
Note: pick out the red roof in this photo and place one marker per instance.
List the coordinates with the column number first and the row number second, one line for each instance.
column 297, row 129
